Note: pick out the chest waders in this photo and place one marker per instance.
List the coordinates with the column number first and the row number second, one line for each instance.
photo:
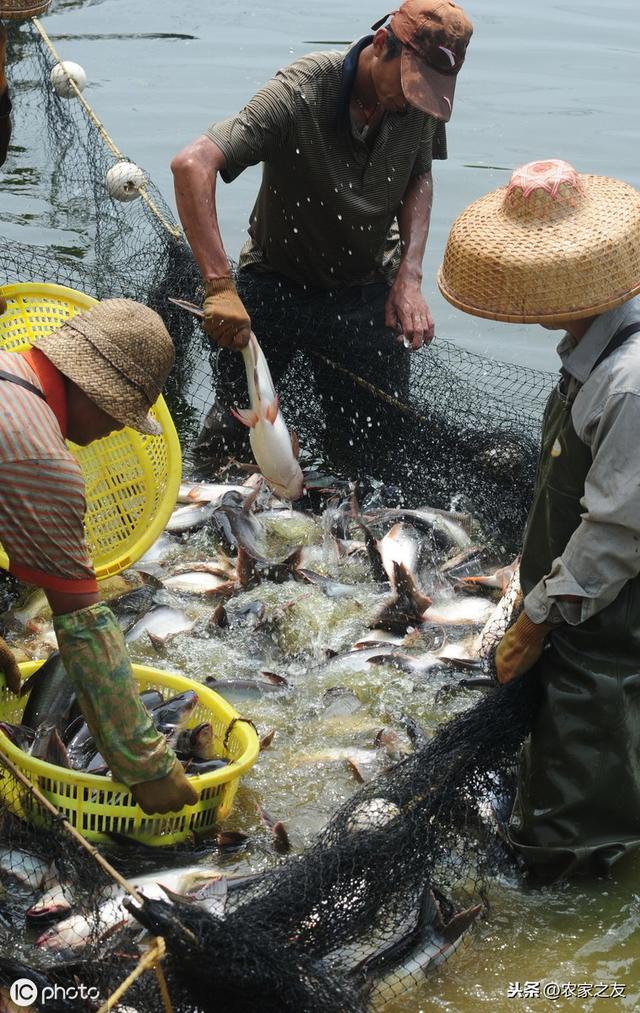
column 578, row 803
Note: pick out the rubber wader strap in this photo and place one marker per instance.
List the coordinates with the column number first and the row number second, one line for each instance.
column 12, row 378
column 618, row 339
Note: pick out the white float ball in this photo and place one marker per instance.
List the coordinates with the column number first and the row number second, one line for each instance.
column 60, row 75
column 124, row 179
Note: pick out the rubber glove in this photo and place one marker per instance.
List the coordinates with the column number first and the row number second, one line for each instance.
column 225, row 316
column 520, row 647
column 9, row 667
column 93, row 650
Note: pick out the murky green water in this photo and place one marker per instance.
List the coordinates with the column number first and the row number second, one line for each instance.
column 550, row 79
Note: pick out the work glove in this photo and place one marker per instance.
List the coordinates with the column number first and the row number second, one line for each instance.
column 166, row 795
column 225, row 316
column 9, row 667
column 94, row 654
column 520, row 647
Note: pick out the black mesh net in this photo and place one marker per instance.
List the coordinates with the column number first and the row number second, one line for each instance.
column 395, row 882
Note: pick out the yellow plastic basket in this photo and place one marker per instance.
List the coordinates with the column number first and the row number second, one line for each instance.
column 131, row 480
column 97, row 806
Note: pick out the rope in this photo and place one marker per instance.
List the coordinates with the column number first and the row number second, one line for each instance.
column 157, row 950
column 150, row 959
column 175, row 230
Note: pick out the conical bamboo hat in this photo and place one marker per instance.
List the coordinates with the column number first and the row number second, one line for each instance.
column 553, row 245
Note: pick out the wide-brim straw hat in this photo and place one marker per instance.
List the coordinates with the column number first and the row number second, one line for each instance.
column 553, row 245
column 120, row 354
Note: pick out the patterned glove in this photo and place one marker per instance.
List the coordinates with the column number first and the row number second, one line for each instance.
column 520, row 647
column 225, row 316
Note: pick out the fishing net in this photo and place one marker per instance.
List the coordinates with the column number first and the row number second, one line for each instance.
column 400, row 868
column 449, row 427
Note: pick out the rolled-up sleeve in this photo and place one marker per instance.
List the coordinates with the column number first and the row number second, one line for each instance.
column 604, row 551
column 42, row 507
column 259, row 130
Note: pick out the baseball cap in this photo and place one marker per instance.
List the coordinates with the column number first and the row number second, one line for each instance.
column 434, row 36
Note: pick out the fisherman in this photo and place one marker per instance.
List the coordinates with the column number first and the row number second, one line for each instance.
column 100, row 371
column 333, row 262
column 562, row 249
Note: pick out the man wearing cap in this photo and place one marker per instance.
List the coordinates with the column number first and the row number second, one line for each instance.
column 102, row 370
column 562, row 249
column 338, row 231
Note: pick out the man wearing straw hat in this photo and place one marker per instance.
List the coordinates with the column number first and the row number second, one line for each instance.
column 100, row 371
column 339, row 228
column 562, row 249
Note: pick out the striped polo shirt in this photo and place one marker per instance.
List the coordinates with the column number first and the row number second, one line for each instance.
column 42, row 503
column 326, row 210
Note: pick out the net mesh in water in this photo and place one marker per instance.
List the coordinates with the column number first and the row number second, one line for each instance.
column 392, row 884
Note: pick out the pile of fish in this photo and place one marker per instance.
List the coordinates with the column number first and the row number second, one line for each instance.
column 344, row 630
column 53, row 728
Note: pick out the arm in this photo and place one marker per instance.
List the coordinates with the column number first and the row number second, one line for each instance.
column 604, row 551
column 195, row 172
column 406, row 309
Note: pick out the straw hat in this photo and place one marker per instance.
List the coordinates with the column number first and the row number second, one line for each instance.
column 554, row 245
column 120, row 354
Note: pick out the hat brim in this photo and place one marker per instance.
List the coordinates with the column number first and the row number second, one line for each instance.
column 426, row 88
column 71, row 353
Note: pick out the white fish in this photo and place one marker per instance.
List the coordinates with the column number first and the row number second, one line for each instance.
column 462, row 610
column 269, row 437
column 198, row 582
column 207, row 492
column 27, row 869
column 162, row 623
column 188, row 518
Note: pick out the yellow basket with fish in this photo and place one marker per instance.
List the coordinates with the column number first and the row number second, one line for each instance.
column 98, row 806
column 131, row 480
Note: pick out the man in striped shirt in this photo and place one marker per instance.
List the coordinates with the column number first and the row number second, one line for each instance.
column 100, row 371
column 339, row 228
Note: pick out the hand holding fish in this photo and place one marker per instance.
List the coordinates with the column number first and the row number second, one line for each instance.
column 9, row 667
column 225, row 318
column 272, row 446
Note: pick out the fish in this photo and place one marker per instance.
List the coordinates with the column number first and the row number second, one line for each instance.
column 407, row 607
column 242, row 688
column 20, row 735
column 48, row 746
column 162, row 624
column 394, row 969
column 252, row 569
column 273, row 447
column 332, row 588
column 51, row 695
column 200, row 582
column 73, row 933
column 177, row 710
column 500, row 578
column 468, row 611
column 340, row 701
column 197, row 743
column 197, row 767
column 447, row 529
column 189, row 518
column 207, row 492
column 29, row 870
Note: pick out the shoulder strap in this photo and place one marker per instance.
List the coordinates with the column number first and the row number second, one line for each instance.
column 12, row 378
column 618, row 339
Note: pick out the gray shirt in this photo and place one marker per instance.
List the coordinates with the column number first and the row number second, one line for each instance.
column 604, row 551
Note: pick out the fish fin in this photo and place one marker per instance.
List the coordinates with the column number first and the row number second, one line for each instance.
column 267, row 739
column 294, row 558
column 273, row 409
column 295, row 443
column 222, row 589
column 245, row 567
column 281, row 841
column 405, row 583
column 158, row 643
column 180, row 898
column 460, row 923
column 247, row 416
column 231, row 839
column 355, row 770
